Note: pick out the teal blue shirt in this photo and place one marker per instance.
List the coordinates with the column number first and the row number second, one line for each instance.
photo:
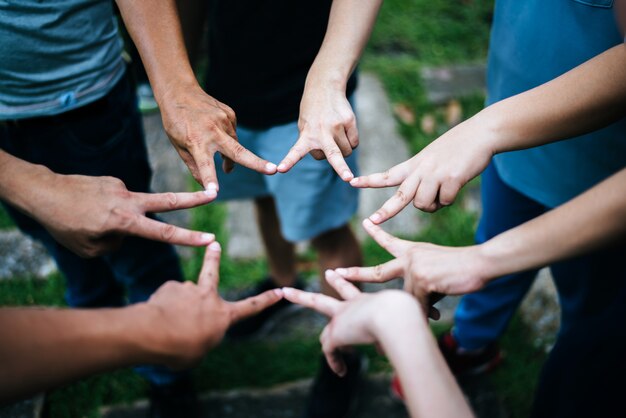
column 56, row 55
column 532, row 42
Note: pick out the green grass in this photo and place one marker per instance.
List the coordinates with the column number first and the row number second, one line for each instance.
column 5, row 220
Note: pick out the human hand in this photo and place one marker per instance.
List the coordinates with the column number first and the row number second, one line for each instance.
column 91, row 215
column 189, row 319
column 428, row 270
column 432, row 178
column 199, row 126
column 358, row 319
column 327, row 129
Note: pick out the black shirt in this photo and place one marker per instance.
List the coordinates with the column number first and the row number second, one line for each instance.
column 259, row 54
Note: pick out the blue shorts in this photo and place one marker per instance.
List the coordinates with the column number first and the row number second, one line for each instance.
column 310, row 199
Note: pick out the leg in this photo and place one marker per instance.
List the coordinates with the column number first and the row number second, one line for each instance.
column 481, row 317
column 281, row 255
column 585, row 372
column 336, row 248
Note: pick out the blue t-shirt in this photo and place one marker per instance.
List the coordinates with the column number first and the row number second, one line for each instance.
column 532, row 42
column 56, row 55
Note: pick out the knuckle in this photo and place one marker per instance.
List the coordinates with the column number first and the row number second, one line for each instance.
column 167, row 232
column 238, row 151
column 172, row 199
column 401, row 196
column 377, row 273
column 123, row 219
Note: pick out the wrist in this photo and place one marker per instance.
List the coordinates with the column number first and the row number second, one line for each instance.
column 145, row 338
column 493, row 256
column 30, row 186
column 323, row 78
column 173, row 92
column 397, row 311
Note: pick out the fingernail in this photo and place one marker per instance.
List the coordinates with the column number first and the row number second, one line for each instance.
column 341, row 272
column 210, row 193
column 287, row 291
column 347, row 175
column 328, row 273
column 211, row 186
column 215, row 246
column 374, row 218
column 281, row 167
column 354, row 181
column 270, row 167
column 278, row 292
column 208, row 237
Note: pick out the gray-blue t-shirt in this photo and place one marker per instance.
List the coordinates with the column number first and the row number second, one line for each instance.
column 532, row 42
column 56, row 55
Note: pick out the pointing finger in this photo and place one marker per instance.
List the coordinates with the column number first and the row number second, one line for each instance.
column 255, row 304
column 392, row 177
column 145, row 227
column 345, row 289
column 395, row 246
column 210, row 274
column 295, row 154
column 377, row 274
column 321, row 303
column 398, row 201
column 165, row 202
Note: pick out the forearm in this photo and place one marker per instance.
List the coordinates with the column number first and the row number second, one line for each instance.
column 45, row 347
column 20, row 181
column 349, row 27
column 587, row 222
column 584, row 99
column 155, row 29
column 429, row 387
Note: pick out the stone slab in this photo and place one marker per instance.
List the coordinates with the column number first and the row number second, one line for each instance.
column 20, row 256
column 288, row 400
column 29, row 408
column 443, row 84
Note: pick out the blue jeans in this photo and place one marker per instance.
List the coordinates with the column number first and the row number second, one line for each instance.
column 104, row 138
column 592, row 295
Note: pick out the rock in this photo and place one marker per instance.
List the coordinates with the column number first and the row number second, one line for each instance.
column 20, row 256
column 443, row 84
column 29, row 408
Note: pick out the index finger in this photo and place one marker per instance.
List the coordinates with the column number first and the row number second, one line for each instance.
column 321, row 303
column 377, row 274
column 145, row 227
column 336, row 160
column 345, row 289
column 253, row 305
column 165, row 202
column 295, row 154
column 392, row 177
column 210, row 274
column 395, row 246
column 241, row 155
column 401, row 198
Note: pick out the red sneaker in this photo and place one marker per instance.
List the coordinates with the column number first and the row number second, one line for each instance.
column 461, row 362
column 469, row 362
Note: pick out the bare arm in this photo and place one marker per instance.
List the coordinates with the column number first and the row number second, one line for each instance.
column 591, row 220
column 197, row 124
column 327, row 123
column 395, row 321
column 43, row 347
column 584, row 99
column 91, row 215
